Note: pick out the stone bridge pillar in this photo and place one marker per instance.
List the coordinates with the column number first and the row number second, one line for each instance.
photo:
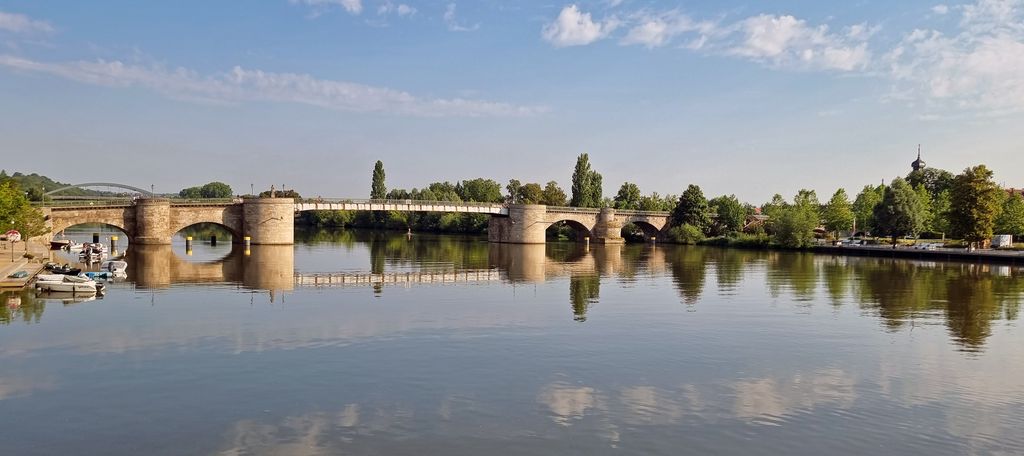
column 269, row 220
column 608, row 229
column 525, row 224
column 152, row 221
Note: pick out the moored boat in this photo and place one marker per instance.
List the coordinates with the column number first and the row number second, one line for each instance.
column 65, row 269
column 58, row 244
column 73, row 284
column 115, row 266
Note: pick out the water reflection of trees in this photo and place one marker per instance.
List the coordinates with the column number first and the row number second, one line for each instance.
column 21, row 306
column 972, row 297
column 689, row 266
column 584, row 292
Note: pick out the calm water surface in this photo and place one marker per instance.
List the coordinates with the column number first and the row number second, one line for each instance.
column 364, row 343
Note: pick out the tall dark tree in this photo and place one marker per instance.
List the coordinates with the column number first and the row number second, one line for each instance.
column 586, row 184
column 900, row 213
column 975, row 201
column 377, row 188
column 692, row 209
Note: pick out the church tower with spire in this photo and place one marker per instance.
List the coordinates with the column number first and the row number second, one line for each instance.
column 918, row 164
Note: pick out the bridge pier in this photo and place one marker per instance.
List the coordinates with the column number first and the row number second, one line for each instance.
column 608, row 229
column 152, row 221
column 269, row 220
column 525, row 224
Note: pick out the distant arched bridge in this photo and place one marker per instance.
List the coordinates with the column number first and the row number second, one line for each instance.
column 145, row 193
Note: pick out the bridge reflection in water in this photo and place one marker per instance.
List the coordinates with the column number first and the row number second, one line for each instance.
column 268, row 267
column 272, row 267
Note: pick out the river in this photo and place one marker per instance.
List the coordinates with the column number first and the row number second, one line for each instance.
column 377, row 343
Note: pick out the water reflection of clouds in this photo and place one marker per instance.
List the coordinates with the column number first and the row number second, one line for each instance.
column 767, row 400
column 21, row 386
column 977, row 398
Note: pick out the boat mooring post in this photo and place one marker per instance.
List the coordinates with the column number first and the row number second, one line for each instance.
column 188, row 245
column 95, row 238
column 213, row 240
column 113, row 245
column 247, row 241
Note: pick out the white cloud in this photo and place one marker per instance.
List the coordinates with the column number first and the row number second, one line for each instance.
column 576, row 28
column 788, row 41
column 779, row 41
column 940, row 9
column 400, row 9
column 979, row 67
column 352, row 6
column 655, row 30
column 19, row 23
column 452, row 22
column 240, row 84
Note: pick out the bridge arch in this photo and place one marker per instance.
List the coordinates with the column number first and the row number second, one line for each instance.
column 233, row 232
column 579, row 229
column 100, row 184
column 648, row 229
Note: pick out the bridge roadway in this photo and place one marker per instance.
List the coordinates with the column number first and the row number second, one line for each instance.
column 271, row 221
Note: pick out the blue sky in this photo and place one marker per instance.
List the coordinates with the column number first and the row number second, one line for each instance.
column 745, row 98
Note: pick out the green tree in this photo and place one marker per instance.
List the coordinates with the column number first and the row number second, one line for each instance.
column 655, row 202
column 553, row 195
column 586, row 184
column 730, row 215
column 774, row 210
column 628, row 196
column 864, row 207
column 975, row 200
column 191, row 193
column 377, row 188
column 940, row 213
column 531, row 193
column 479, row 190
column 216, row 190
column 17, row 213
column 796, row 222
column 1011, row 219
column 513, row 191
column 34, row 194
column 927, row 209
column 692, row 209
column 900, row 213
column 838, row 213
column 932, row 179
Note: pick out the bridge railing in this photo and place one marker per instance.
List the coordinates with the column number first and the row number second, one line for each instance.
column 410, row 202
column 105, row 202
column 576, row 210
column 204, row 201
column 643, row 213
column 594, row 210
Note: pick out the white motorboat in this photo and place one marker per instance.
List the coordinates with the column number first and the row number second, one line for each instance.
column 74, row 284
column 115, row 266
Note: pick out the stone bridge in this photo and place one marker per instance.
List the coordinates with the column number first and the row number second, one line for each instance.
column 527, row 224
column 271, row 221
